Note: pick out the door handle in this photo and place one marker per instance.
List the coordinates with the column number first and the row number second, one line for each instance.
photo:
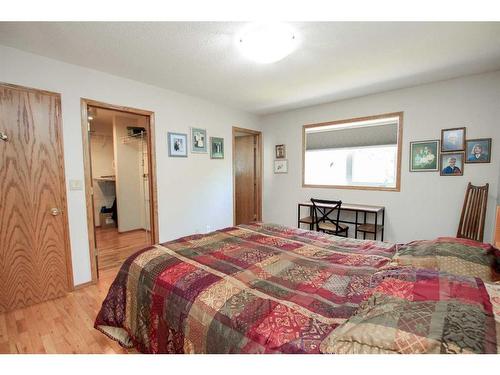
column 3, row 136
column 55, row 211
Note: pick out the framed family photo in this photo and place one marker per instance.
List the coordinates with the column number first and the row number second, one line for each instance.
column 177, row 144
column 478, row 150
column 424, row 156
column 453, row 139
column 280, row 152
column 216, row 148
column 198, row 140
column 281, row 166
column 452, row 164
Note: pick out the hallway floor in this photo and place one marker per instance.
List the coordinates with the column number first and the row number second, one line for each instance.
column 115, row 247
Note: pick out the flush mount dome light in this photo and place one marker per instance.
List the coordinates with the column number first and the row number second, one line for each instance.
column 266, row 43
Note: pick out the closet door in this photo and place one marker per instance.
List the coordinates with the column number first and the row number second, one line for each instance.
column 245, row 179
column 34, row 249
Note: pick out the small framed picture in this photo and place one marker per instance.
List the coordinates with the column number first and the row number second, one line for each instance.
column 280, row 152
column 281, row 166
column 452, row 164
column 424, row 156
column 453, row 139
column 198, row 140
column 177, row 144
column 478, row 150
column 216, row 148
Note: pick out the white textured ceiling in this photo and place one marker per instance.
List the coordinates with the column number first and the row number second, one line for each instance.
column 333, row 61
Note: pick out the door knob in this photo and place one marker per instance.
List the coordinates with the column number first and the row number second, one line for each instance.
column 3, row 136
column 55, row 211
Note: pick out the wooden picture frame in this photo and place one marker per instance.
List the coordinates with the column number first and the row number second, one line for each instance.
column 453, row 139
column 450, row 168
column 280, row 151
column 471, row 145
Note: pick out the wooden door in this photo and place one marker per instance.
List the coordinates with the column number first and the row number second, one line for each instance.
column 34, row 250
column 245, row 179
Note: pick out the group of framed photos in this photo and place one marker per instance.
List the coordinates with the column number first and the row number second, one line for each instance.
column 280, row 164
column 178, row 144
column 449, row 155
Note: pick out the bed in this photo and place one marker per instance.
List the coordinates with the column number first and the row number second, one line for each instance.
column 265, row 288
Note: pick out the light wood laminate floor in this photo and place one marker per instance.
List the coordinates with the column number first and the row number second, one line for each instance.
column 114, row 248
column 66, row 325
column 63, row 325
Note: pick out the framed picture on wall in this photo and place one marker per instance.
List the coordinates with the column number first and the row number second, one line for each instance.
column 281, row 166
column 280, row 152
column 478, row 150
column 198, row 141
column 216, row 148
column 453, row 139
column 424, row 156
column 177, row 144
column 452, row 164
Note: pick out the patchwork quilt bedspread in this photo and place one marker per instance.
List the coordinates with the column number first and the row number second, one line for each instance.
column 417, row 310
column 257, row 288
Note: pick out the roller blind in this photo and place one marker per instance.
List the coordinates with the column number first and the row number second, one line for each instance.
column 352, row 136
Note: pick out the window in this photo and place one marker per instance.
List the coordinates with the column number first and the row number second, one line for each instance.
column 359, row 153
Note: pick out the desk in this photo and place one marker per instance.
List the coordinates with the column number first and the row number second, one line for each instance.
column 363, row 209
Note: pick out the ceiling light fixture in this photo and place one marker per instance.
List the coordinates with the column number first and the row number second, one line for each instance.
column 266, row 43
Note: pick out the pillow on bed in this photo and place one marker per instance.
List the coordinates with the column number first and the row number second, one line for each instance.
column 453, row 255
column 422, row 311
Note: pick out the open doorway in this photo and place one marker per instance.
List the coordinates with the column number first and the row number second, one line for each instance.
column 119, row 171
column 247, row 175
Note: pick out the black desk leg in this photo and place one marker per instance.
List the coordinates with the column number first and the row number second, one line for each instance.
column 298, row 216
column 311, row 226
column 356, row 227
column 375, row 230
column 364, row 233
column 383, row 224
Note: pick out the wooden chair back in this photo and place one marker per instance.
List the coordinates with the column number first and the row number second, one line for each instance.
column 322, row 208
column 471, row 224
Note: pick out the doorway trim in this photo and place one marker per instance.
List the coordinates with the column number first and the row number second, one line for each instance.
column 84, row 103
column 259, row 167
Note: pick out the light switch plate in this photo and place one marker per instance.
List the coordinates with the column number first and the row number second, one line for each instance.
column 75, row 184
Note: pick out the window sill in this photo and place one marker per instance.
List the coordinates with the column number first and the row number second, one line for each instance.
column 353, row 187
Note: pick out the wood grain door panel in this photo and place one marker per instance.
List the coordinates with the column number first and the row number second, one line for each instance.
column 34, row 248
column 246, row 209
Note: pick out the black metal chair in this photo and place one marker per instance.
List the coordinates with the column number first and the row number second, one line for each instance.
column 322, row 209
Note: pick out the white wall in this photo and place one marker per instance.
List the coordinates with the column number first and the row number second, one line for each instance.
column 190, row 189
column 428, row 205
